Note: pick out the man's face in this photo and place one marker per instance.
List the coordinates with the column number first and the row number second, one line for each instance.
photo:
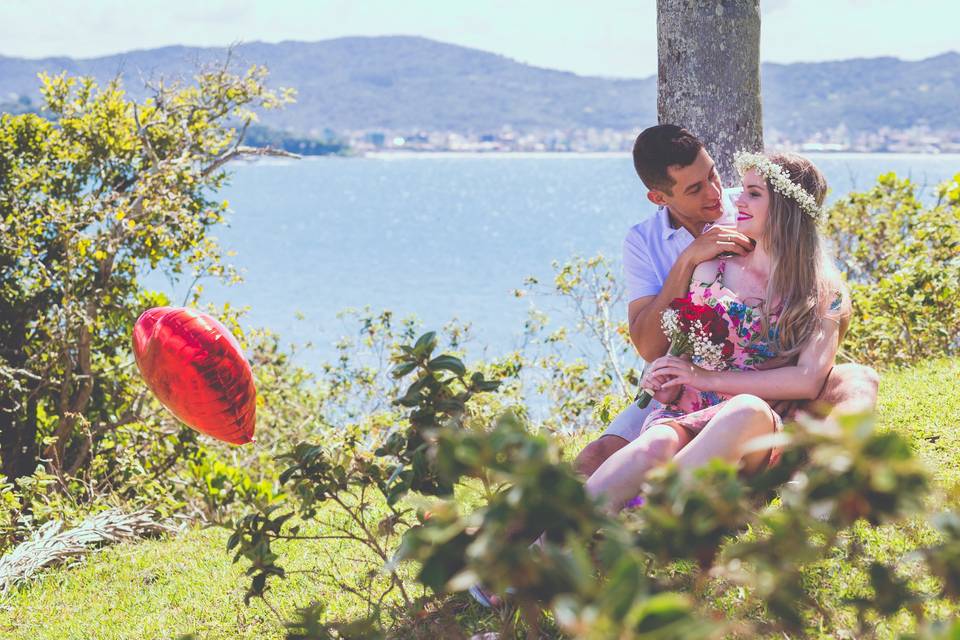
column 696, row 191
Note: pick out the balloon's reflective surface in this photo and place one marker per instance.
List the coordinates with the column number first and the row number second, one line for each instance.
column 196, row 369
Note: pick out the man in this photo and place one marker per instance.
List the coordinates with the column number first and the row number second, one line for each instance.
column 659, row 256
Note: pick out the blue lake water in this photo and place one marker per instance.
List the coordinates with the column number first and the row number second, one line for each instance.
column 442, row 236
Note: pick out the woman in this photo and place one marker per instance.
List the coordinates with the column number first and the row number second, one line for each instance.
column 786, row 308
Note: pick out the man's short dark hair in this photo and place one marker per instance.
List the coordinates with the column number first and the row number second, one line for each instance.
column 660, row 147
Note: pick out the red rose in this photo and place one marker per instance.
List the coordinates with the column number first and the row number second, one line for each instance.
column 686, row 312
column 712, row 323
column 678, row 304
column 689, row 313
column 706, row 312
column 727, row 351
column 701, row 319
column 719, row 330
column 707, row 316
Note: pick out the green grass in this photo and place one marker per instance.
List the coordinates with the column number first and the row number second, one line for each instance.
column 921, row 403
column 188, row 585
column 150, row 589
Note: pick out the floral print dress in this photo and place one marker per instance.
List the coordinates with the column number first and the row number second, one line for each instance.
column 693, row 408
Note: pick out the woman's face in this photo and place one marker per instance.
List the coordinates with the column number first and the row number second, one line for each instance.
column 753, row 206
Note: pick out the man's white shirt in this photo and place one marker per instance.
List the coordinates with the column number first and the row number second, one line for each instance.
column 649, row 252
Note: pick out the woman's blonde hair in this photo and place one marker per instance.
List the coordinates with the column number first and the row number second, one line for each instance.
column 803, row 281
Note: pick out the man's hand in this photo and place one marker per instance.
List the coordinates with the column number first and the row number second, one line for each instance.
column 654, row 385
column 643, row 314
column 717, row 240
column 678, row 370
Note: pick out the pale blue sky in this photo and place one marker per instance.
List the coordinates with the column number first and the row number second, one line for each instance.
column 591, row 37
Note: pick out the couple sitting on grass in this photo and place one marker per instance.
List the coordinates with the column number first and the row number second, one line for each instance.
column 769, row 279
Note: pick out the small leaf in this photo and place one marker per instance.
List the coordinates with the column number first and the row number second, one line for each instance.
column 410, row 399
column 447, row 363
column 425, row 344
column 403, row 369
column 233, row 541
column 451, row 406
column 257, row 587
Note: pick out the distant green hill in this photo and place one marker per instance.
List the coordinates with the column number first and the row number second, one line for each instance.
column 864, row 94
column 400, row 82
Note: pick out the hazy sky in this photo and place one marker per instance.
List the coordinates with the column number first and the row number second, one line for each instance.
column 590, row 37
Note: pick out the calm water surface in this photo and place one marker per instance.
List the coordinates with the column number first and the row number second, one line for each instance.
column 441, row 236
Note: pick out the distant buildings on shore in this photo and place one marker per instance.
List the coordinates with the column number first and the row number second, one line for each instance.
column 325, row 141
column 917, row 139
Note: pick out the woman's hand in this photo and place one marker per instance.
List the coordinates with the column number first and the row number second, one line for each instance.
column 655, row 385
column 680, row 371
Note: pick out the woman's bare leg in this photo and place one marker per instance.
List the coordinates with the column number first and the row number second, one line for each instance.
column 740, row 420
column 620, row 478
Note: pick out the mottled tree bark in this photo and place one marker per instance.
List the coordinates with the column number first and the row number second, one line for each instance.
column 709, row 75
column 18, row 408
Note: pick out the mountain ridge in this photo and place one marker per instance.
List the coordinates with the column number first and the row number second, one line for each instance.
column 415, row 83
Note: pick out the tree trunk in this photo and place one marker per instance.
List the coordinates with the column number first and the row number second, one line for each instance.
column 11, row 448
column 708, row 75
column 18, row 415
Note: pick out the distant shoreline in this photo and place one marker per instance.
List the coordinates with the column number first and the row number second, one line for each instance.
column 405, row 155
column 390, row 156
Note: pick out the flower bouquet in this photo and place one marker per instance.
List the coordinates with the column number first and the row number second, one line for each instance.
column 696, row 329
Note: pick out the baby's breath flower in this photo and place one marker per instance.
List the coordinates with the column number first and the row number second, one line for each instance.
column 706, row 353
column 670, row 321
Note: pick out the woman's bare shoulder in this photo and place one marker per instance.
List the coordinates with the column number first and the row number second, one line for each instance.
column 706, row 271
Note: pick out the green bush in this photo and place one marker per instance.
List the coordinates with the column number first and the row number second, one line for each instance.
column 640, row 575
column 901, row 259
column 97, row 191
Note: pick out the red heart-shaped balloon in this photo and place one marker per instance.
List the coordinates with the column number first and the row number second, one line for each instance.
column 197, row 370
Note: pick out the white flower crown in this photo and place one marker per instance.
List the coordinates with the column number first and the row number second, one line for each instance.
column 779, row 179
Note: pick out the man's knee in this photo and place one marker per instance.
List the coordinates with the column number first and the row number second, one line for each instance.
column 596, row 453
column 852, row 386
